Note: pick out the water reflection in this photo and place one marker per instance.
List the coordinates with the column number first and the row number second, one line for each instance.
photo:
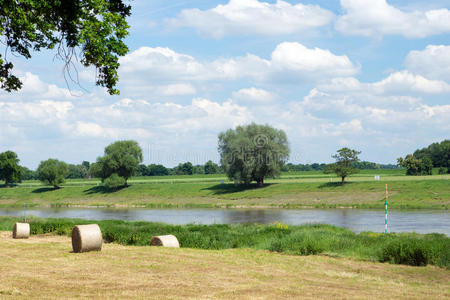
column 354, row 219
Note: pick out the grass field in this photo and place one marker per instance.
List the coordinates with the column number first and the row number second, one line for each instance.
column 304, row 189
column 44, row 267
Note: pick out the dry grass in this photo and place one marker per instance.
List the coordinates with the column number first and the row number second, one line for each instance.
column 44, row 267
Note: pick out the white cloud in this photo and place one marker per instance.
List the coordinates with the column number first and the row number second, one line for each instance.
column 44, row 111
column 253, row 96
column 248, row 17
column 378, row 18
column 163, row 61
column 404, row 82
column 34, row 88
column 304, row 62
column 290, row 62
column 397, row 83
column 433, row 62
column 176, row 89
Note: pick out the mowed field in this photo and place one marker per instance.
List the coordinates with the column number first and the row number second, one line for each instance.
column 44, row 267
column 291, row 190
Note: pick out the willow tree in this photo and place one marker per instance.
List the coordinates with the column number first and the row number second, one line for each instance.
column 253, row 152
column 91, row 31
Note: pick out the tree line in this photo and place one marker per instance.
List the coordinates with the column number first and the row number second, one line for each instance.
column 422, row 161
column 247, row 154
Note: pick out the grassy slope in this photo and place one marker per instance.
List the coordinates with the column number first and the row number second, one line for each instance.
column 43, row 267
column 289, row 191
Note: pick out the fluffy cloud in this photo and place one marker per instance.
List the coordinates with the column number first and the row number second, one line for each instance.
column 317, row 63
column 378, row 18
column 34, row 88
column 399, row 83
column 432, row 62
column 290, row 62
column 253, row 17
column 253, row 96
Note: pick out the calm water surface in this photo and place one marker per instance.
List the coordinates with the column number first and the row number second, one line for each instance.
column 422, row 221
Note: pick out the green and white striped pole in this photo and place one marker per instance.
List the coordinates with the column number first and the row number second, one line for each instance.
column 386, row 211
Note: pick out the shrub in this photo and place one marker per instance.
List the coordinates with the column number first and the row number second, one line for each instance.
column 114, row 182
column 406, row 252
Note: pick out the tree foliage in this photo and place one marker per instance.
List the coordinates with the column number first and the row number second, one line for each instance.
column 185, row 169
column 52, row 172
column 78, row 171
column 344, row 165
column 114, row 182
column 211, row 168
column 121, row 158
column 438, row 153
column 158, row 170
column 253, row 152
column 28, row 174
column 422, row 161
column 10, row 171
column 416, row 166
column 91, row 31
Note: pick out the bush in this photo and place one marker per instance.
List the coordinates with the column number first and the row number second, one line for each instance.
column 114, row 182
column 442, row 170
column 406, row 252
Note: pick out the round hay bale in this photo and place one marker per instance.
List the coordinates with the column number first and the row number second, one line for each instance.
column 86, row 238
column 165, row 241
column 21, row 231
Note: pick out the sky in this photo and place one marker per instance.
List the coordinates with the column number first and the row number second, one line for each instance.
column 369, row 75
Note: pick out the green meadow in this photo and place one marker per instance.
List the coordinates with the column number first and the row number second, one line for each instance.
column 290, row 190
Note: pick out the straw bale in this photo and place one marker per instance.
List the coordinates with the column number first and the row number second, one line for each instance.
column 165, row 241
column 86, row 238
column 21, row 231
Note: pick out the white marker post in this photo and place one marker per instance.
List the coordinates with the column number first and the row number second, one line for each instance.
column 386, row 211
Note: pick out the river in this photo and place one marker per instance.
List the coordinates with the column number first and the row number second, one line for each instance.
column 421, row 221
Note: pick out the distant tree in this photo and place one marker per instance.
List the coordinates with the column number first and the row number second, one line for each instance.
column 184, row 169
column 253, row 152
column 366, row 165
column 343, row 167
column 438, row 153
column 158, row 170
column 52, row 172
column 121, row 158
column 198, row 169
column 28, row 174
column 10, row 171
column 85, row 167
column 75, row 171
column 142, row 170
column 416, row 166
column 211, row 168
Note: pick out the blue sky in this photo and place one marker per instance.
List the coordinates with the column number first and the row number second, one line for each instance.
column 370, row 75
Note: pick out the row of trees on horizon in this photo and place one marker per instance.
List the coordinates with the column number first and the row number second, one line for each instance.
column 248, row 153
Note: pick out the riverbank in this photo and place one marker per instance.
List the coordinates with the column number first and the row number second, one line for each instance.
column 153, row 272
column 360, row 192
column 401, row 248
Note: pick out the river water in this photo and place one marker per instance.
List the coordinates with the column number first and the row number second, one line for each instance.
column 421, row 221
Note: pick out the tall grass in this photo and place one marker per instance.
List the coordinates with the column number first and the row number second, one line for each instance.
column 405, row 248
